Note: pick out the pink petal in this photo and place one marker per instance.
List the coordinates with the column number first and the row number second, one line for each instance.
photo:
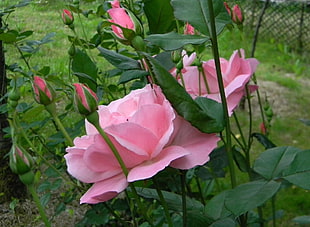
column 75, row 161
column 105, row 190
column 149, row 168
column 157, row 119
column 100, row 158
column 134, row 137
column 198, row 144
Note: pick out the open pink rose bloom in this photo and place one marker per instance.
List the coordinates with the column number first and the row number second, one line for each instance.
column 148, row 135
column 236, row 72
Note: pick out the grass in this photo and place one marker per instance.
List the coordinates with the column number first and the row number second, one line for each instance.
column 287, row 71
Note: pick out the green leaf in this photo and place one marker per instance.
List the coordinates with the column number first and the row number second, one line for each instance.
column 271, row 163
column 160, row 16
column 263, row 140
column 83, row 65
column 298, row 172
column 9, row 37
column 182, row 101
column 45, row 199
column 196, row 12
column 226, row 222
column 212, row 109
column 240, row 160
column 118, row 60
column 248, row 196
column 305, row 121
column 215, row 208
column 174, row 201
column 131, row 75
column 173, row 41
column 302, row 220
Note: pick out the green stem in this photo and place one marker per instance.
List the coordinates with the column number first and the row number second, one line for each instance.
column 200, row 68
column 212, row 31
column 93, row 118
column 200, row 190
column 184, row 210
column 115, row 214
column 273, row 204
column 240, row 129
column 163, row 202
column 39, row 205
column 51, row 109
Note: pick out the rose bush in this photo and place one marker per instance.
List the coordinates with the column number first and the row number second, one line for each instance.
column 236, row 73
column 148, row 135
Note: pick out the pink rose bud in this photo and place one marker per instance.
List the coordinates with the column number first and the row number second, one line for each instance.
column 263, row 128
column 115, row 4
column 189, row 29
column 43, row 93
column 124, row 18
column 67, row 17
column 227, row 8
column 237, row 15
column 86, row 101
column 21, row 161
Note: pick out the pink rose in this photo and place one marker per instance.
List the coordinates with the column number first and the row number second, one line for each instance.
column 236, row 74
column 148, row 135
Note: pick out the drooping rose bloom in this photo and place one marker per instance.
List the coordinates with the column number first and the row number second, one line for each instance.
column 236, row 73
column 148, row 135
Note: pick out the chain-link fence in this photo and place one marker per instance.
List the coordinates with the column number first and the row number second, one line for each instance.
column 284, row 21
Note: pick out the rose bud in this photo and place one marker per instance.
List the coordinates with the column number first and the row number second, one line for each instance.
column 125, row 19
column 43, row 93
column 21, row 161
column 237, row 16
column 85, row 100
column 67, row 17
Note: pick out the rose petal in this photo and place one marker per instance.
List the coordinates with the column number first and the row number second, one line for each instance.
column 105, row 190
column 151, row 167
column 198, row 144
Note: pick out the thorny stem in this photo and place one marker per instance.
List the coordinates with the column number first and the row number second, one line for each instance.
column 212, row 31
column 50, row 108
column 39, row 205
column 183, row 185
column 163, row 202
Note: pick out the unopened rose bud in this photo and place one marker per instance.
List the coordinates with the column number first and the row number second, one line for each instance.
column 237, row 15
column 125, row 19
column 43, row 93
column 21, row 161
column 67, row 17
column 176, row 56
column 85, row 100
column 228, row 9
column 263, row 128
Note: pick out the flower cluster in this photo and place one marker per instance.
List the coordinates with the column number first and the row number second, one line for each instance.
column 148, row 135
